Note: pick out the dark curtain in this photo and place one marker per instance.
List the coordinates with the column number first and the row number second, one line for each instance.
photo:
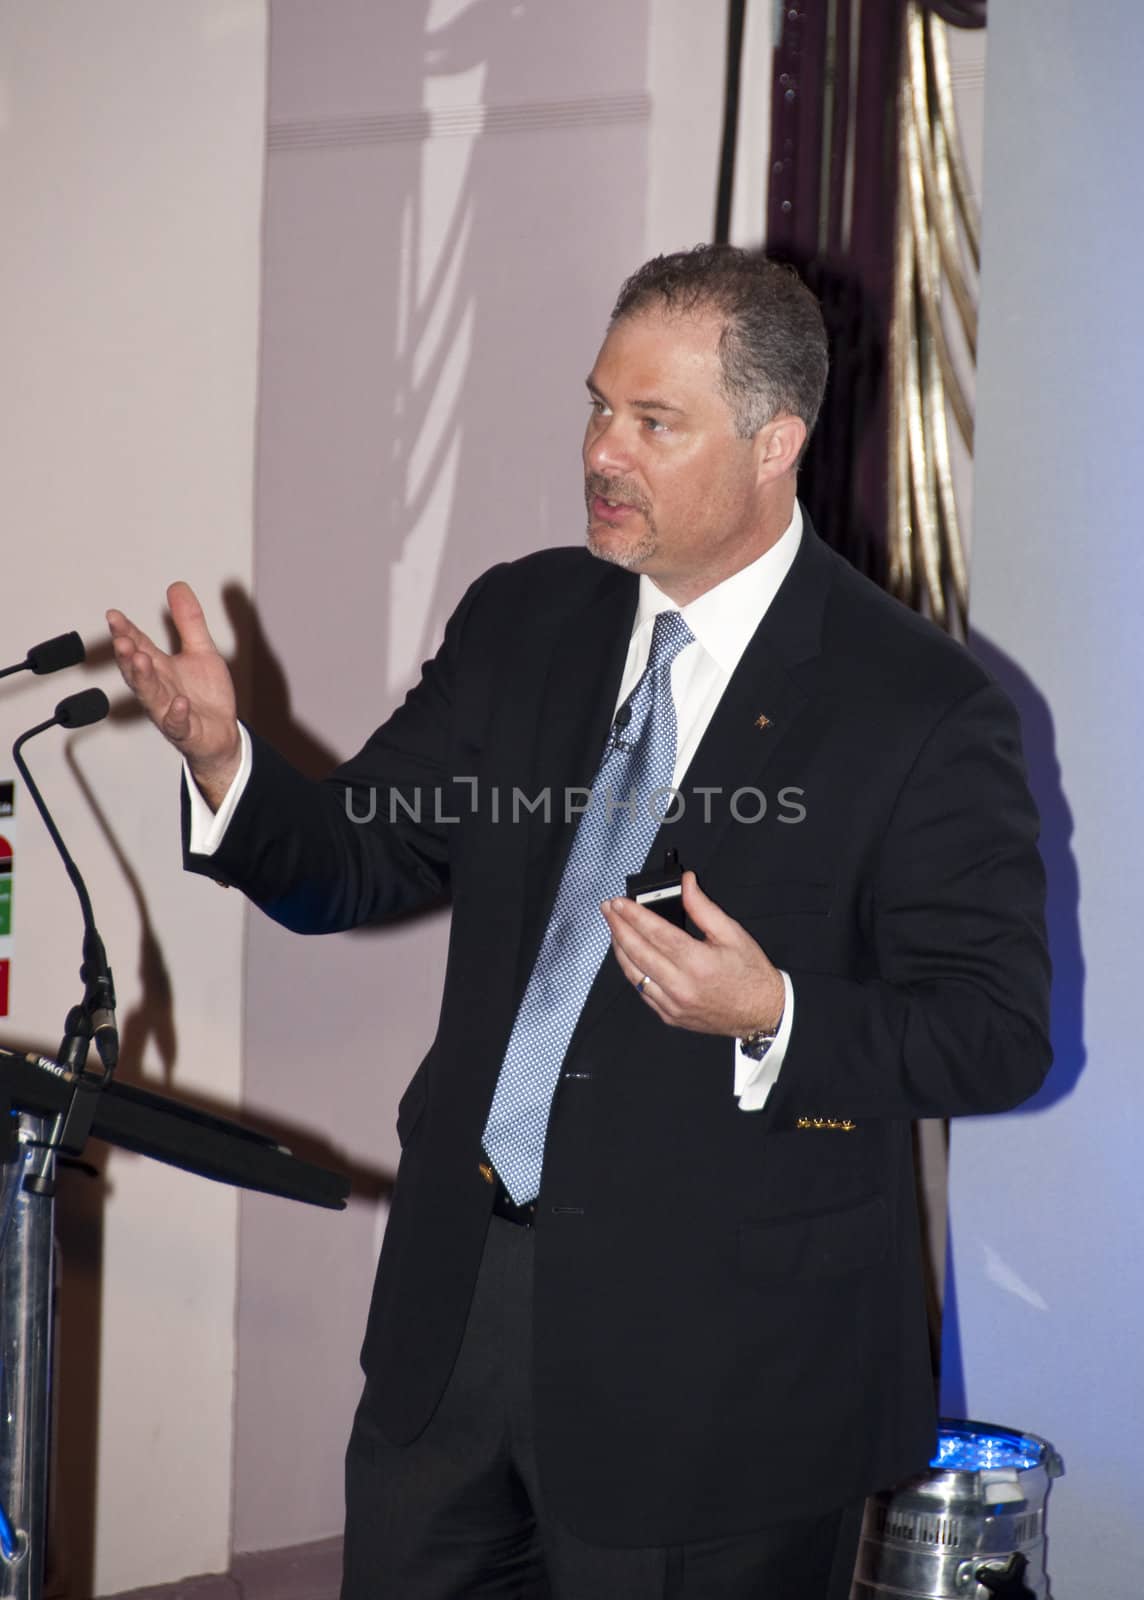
column 834, row 113
column 816, row 132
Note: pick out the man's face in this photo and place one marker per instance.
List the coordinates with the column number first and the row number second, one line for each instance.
column 671, row 489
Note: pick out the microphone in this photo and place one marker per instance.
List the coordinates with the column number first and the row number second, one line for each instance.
column 96, row 1017
column 619, row 722
column 80, row 710
column 65, row 650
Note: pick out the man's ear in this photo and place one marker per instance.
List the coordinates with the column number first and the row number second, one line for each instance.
column 778, row 445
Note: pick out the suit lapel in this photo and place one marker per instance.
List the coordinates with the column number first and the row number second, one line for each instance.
column 586, row 659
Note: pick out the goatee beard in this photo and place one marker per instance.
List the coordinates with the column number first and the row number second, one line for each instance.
column 629, row 557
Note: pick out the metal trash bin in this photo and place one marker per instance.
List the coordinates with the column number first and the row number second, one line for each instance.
column 972, row 1527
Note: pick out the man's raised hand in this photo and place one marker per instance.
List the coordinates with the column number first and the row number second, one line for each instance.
column 189, row 696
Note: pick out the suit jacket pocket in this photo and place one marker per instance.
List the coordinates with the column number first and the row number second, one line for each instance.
column 828, row 1244
column 781, row 898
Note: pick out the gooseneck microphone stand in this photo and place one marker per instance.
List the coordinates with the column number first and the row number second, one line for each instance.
column 26, row 1232
column 93, row 1019
column 26, row 1212
column 50, row 1108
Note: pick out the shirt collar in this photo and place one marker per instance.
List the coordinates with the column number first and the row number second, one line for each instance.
column 724, row 618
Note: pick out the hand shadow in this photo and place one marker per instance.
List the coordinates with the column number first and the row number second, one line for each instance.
column 261, row 688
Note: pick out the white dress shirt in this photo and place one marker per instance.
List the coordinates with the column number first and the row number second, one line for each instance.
column 722, row 622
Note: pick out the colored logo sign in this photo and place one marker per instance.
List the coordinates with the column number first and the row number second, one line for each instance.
column 5, row 886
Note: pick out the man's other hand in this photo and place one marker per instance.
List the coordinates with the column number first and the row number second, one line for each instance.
column 722, row 983
column 189, row 696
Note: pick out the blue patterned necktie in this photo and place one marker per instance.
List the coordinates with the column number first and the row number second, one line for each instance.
column 612, row 839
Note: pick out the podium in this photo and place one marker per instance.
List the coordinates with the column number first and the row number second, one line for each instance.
column 35, row 1093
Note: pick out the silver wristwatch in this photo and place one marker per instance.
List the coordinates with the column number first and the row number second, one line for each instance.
column 755, row 1045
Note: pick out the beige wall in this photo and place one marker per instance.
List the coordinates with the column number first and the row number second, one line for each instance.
column 685, row 75
column 130, row 185
column 1049, row 1278
column 453, row 191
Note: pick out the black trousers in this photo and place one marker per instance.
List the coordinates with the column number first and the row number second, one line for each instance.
column 461, row 1512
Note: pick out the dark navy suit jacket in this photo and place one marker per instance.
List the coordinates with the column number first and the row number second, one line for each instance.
column 729, row 1318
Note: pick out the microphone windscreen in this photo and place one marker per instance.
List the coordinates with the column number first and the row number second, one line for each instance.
column 78, row 710
column 66, row 650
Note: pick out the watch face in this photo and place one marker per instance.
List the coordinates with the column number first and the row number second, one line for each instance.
column 756, row 1046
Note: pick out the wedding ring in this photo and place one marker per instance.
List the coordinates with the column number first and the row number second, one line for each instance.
column 642, row 984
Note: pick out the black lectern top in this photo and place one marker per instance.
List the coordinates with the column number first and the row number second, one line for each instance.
column 183, row 1136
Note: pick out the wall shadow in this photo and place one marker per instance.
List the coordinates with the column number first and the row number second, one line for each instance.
column 1062, row 905
column 263, row 689
column 459, row 307
column 423, row 267
column 1062, row 913
column 148, row 1038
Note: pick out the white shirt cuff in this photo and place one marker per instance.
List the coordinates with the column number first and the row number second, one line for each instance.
column 755, row 1079
column 207, row 826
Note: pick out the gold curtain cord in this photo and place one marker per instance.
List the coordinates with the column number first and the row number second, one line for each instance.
column 901, row 551
column 947, row 117
column 930, row 279
column 941, row 468
column 927, row 556
column 933, row 152
column 918, row 353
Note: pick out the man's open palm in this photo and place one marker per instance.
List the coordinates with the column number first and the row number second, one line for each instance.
column 189, row 696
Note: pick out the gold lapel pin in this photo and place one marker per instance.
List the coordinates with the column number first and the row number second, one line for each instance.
column 762, row 721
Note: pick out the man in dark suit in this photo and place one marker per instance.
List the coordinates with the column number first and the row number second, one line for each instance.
column 648, row 1318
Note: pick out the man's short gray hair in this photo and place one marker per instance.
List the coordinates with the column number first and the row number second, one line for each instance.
column 773, row 346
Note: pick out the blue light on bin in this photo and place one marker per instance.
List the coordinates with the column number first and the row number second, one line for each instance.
column 984, row 1450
